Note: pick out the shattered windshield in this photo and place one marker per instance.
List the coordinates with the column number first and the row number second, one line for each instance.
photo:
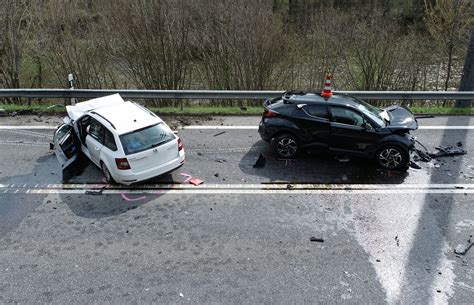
column 146, row 138
column 372, row 112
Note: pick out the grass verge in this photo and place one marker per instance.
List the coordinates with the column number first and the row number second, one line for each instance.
column 215, row 110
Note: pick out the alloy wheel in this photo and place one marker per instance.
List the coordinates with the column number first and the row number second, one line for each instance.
column 287, row 147
column 390, row 158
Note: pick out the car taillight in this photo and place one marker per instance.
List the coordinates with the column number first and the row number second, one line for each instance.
column 122, row 163
column 180, row 144
column 269, row 114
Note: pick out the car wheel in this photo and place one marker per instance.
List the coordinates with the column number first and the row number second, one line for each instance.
column 392, row 157
column 286, row 146
column 107, row 175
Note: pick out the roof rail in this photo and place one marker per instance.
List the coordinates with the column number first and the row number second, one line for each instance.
column 145, row 109
column 113, row 126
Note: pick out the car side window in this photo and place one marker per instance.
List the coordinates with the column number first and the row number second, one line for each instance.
column 346, row 116
column 319, row 111
column 109, row 140
column 96, row 130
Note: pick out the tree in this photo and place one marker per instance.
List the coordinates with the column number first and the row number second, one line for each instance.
column 15, row 22
column 448, row 22
column 467, row 79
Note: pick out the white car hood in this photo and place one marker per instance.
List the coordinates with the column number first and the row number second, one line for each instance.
column 78, row 110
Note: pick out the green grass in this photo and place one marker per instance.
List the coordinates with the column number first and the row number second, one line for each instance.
column 222, row 110
column 443, row 110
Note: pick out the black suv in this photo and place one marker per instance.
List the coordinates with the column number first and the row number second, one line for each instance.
column 340, row 124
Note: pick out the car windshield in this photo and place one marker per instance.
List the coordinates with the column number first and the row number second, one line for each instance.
column 372, row 112
column 146, row 138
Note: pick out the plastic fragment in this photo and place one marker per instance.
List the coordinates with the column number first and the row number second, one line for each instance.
column 196, row 181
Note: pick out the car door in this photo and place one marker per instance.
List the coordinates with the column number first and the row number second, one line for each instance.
column 314, row 122
column 66, row 148
column 351, row 132
column 95, row 140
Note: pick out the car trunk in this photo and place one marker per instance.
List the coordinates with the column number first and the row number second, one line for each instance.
column 153, row 157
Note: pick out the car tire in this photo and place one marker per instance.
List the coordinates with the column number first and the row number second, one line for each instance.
column 286, row 146
column 392, row 157
column 105, row 171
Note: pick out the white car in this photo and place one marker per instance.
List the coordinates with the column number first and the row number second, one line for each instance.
column 128, row 142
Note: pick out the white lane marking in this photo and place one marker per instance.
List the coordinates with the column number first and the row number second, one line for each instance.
column 255, row 186
column 241, row 189
column 446, row 127
column 244, row 191
column 27, row 127
column 217, row 127
column 224, row 127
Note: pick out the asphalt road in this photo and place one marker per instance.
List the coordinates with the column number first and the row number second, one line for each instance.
column 244, row 235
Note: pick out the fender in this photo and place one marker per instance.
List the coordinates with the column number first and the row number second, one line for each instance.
column 404, row 142
column 279, row 125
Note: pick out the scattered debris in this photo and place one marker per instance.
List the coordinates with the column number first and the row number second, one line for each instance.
column 260, row 162
column 218, row 134
column 96, row 192
column 342, row 159
column 448, row 151
column 14, row 114
column 397, row 240
column 462, row 249
column 196, row 181
column 412, row 164
column 289, row 187
column 131, row 199
column 316, row 239
column 243, row 108
column 2, row 112
column 424, row 117
column 442, row 151
column 216, row 175
column 221, row 160
column 188, row 176
column 181, row 295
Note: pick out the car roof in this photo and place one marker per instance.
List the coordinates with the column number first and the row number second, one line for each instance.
column 316, row 98
column 127, row 116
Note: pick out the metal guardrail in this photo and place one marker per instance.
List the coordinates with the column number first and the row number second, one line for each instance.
column 226, row 94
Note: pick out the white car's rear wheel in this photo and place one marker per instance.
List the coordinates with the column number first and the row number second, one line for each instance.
column 108, row 177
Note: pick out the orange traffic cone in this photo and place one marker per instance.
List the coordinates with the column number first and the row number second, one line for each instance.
column 327, row 92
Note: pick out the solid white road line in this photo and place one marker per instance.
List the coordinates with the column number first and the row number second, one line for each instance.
column 27, row 127
column 283, row 185
column 239, row 192
column 218, row 127
column 159, row 189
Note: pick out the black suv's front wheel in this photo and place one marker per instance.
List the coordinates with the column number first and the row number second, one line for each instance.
column 392, row 157
column 286, row 146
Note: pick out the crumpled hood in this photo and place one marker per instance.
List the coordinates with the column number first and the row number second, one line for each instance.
column 401, row 118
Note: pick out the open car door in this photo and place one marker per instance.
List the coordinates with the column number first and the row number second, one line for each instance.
column 66, row 148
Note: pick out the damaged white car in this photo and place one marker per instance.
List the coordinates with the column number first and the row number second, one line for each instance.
column 128, row 142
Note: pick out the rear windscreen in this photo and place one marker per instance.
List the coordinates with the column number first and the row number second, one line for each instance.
column 146, row 138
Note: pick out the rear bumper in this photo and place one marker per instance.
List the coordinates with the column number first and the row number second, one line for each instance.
column 129, row 178
column 265, row 132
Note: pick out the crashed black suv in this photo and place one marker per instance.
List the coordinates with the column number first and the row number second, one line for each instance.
column 340, row 124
